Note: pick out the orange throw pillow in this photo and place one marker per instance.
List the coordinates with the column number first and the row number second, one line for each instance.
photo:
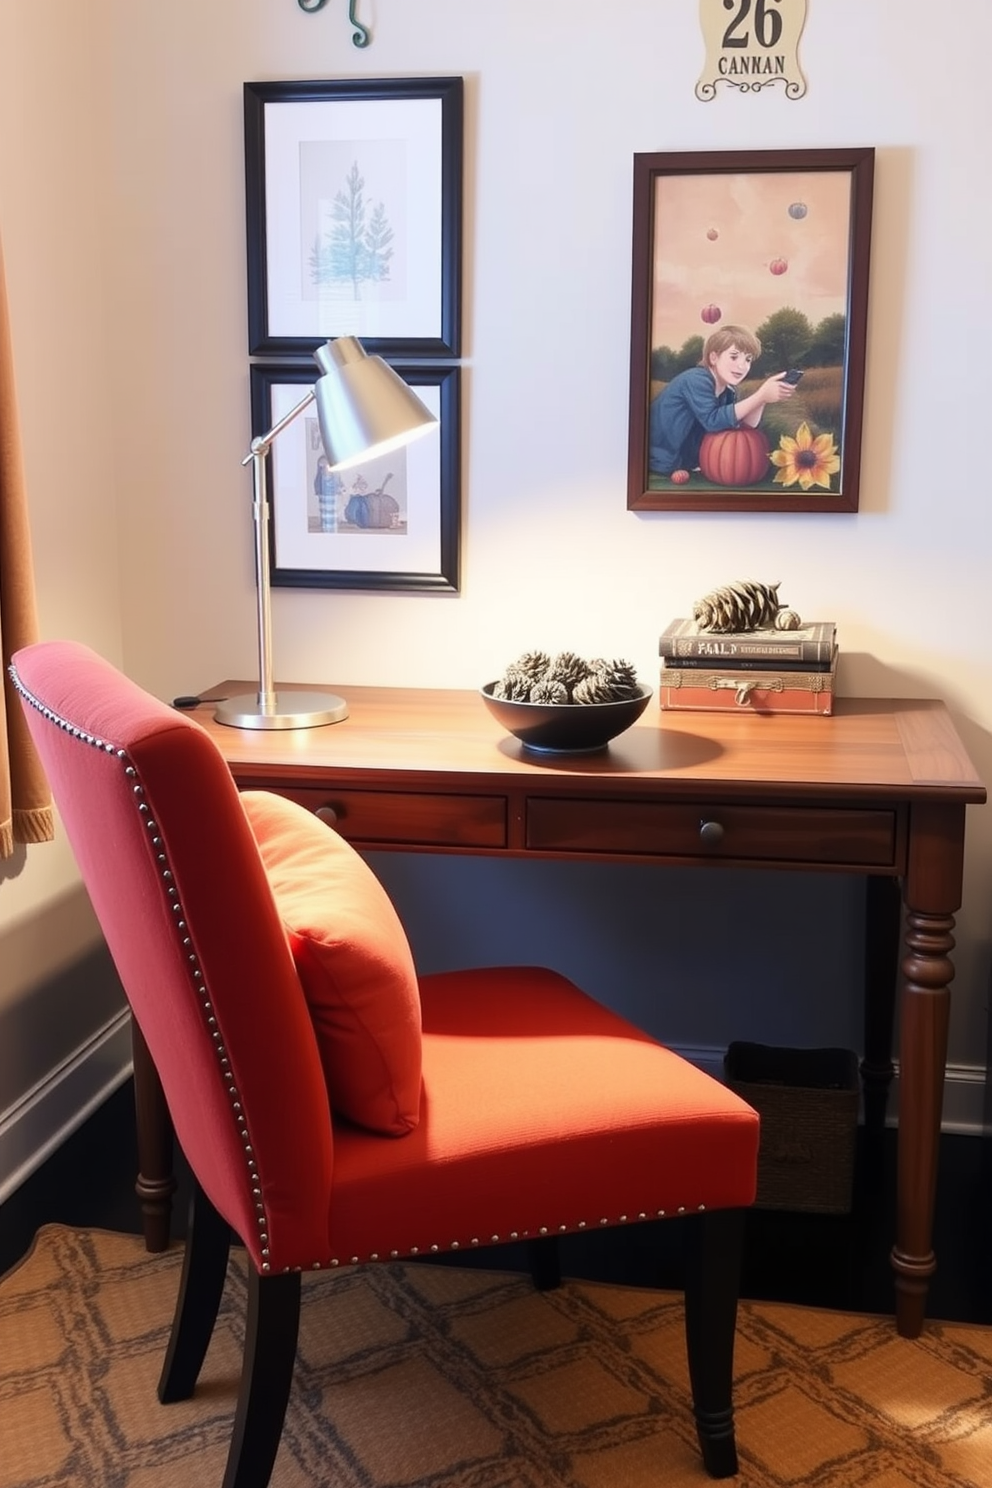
column 353, row 959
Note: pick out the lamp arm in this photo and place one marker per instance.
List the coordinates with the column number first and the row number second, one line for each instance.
column 264, row 442
column 257, row 459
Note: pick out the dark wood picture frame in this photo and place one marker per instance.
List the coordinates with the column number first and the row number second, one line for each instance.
column 775, row 242
column 392, row 523
column 353, row 195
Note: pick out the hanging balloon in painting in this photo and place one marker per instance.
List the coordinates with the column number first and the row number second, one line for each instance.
column 710, row 314
column 778, row 266
column 798, row 210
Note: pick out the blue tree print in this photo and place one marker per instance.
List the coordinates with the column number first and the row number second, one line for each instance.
column 357, row 249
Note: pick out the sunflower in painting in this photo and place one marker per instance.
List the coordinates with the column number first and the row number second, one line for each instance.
column 806, row 459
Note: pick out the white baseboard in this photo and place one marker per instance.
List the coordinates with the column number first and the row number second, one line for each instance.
column 964, row 1090
column 964, row 1099
column 31, row 1130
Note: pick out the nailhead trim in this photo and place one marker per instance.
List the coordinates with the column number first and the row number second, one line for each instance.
column 542, row 1230
column 185, row 942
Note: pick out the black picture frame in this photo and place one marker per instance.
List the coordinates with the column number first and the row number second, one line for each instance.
column 727, row 239
column 406, row 538
column 354, row 187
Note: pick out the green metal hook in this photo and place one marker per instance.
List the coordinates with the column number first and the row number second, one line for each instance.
column 361, row 36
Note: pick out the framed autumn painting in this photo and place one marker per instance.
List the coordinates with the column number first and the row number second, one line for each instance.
column 749, row 312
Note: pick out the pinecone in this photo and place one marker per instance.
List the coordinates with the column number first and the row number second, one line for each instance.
column 534, row 678
column 514, row 686
column 608, row 682
column 532, row 664
column 569, row 669
column 548, row 690
column 622, row 679
column 592, row 689
column 743, row 605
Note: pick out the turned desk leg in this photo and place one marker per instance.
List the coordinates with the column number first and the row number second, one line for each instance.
column 932, row 894
column 883, row 916
column 156, row 1181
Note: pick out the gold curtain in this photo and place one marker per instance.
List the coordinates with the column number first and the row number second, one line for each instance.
column 26, row 813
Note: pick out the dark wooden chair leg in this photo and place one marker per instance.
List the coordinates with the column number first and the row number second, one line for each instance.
column 156, row 1181
column 712, row 1282
column 545, row 1262
column 266, row 1376
column 208, row 1244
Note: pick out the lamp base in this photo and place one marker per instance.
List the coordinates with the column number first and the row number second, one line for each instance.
column 290, row 710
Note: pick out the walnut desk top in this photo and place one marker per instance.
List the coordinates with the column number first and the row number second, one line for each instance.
column 875, row 758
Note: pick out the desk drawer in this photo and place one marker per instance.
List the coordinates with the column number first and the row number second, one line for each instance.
column 407, row 818
column 689, row 830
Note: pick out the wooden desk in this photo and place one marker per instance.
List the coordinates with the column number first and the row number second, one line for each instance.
column 878, row 789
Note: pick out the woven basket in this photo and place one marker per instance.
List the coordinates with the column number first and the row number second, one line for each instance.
column 808, row 1103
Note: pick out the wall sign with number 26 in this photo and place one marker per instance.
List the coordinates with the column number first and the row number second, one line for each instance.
column 750, row 45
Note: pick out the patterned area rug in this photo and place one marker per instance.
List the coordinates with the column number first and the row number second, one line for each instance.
column 433, row 1377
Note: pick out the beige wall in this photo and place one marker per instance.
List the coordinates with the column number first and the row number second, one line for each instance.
column 121, row 209
column 61, row 1026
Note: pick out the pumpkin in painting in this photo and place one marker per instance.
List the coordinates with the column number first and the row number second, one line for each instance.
column 710, row 314
column 778, row 265
column 734, row 457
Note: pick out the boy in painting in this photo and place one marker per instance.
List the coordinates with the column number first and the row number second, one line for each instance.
column 703, row 400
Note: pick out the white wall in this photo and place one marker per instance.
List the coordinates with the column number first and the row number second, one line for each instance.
column 151, row 300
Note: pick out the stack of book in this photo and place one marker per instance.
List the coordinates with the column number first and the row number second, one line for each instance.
column 767, row 671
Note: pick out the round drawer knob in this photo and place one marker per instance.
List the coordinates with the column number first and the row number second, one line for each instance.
column 710, row 832
column 327, row 814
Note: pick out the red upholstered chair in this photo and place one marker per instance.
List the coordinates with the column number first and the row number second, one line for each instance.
column 333, row 1111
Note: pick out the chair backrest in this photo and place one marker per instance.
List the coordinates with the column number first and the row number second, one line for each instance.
column 178, row 886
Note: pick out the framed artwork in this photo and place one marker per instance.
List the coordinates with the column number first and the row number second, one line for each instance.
column 392, row 522
column 749, row 312
column 353, row 190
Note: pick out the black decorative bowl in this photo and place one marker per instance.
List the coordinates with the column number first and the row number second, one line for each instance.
column 565, row 728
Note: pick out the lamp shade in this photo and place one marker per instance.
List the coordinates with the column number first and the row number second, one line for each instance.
column 364, row 408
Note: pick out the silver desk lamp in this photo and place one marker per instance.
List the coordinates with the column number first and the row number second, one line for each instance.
column 364, row 409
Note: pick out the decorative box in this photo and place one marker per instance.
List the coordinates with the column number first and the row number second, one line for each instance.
column 760, row 691
column 808, row 1103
